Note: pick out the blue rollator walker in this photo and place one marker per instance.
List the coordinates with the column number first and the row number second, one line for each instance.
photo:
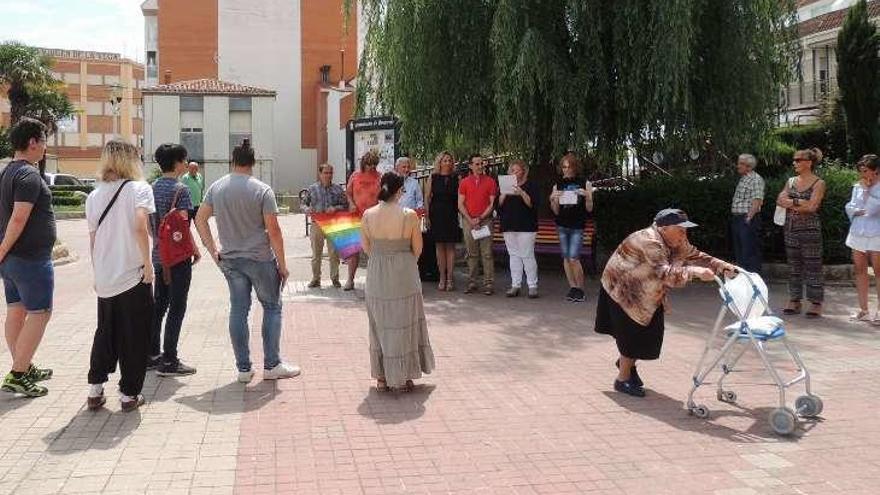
column 745, row 297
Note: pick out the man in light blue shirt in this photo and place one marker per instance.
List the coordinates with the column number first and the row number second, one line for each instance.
column 412, row 191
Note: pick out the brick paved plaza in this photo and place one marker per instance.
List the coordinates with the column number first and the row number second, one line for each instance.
column 521, row 402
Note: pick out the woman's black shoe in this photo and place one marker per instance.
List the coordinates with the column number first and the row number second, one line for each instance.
column 629, row 388
column 633, row 375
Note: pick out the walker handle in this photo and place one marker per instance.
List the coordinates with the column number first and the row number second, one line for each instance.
column 720, row 281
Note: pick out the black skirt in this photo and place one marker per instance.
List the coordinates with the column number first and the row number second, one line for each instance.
column 633, row 340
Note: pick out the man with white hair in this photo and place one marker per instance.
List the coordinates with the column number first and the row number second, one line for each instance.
column 745, row 223
column 412, row 197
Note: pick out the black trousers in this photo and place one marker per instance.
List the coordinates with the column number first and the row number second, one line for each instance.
column 123, row 335
column 170, row 299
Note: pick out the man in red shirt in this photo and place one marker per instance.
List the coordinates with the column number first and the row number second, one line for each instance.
column 476, row 199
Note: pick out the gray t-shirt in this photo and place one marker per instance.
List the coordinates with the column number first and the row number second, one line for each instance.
column 239, row 202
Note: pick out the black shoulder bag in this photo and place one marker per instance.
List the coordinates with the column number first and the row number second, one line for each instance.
column 110, row 205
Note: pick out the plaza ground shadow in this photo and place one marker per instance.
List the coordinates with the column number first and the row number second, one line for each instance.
column 233, row 398
column 395, row 407
column 671, row 411
column 102, row 429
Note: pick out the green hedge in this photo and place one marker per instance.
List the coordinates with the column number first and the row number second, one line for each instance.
column 707, row 202
column 68, row 200
column 85, row 189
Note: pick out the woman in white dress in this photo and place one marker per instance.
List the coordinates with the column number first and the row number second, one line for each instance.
column 400, row 350
column 863, row 210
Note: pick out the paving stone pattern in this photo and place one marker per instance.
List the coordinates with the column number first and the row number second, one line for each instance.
column 521, row 403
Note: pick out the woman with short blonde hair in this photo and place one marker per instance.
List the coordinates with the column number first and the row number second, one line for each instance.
column 117, row 213
column 519, row 225
column 120, row 160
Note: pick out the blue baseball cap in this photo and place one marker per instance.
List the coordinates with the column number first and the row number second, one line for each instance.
column 672, row 216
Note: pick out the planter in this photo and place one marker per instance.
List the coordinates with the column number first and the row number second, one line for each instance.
column 61, row 255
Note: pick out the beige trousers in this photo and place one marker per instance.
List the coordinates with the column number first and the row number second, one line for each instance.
column 317, row 238
column 479, row 253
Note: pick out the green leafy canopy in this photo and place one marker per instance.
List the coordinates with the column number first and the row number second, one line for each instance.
column 858, row 75
column 541, row 77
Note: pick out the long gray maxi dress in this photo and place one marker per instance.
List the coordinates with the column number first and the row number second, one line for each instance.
column 400, row 349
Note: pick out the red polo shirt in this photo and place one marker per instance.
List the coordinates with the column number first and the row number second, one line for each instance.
column 478, row 191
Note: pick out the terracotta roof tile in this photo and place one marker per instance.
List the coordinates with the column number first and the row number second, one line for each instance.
column 832, row 20
column 208, row 87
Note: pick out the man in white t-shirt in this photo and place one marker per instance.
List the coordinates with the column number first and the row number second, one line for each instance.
column 120, row 249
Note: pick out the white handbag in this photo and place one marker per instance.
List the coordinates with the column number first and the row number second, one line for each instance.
column 779, row 216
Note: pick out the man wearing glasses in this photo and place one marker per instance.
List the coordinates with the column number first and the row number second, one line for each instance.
column 324, row 197
column 27, row 227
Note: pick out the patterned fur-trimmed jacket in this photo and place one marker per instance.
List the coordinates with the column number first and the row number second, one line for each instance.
column 643, row 267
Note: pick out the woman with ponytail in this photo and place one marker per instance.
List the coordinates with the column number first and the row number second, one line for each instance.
column 400, row 350
column 802, row 197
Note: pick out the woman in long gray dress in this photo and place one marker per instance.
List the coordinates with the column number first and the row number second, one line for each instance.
column 400, row 350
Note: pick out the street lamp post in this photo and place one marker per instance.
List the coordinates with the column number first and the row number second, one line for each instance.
column 115, row 102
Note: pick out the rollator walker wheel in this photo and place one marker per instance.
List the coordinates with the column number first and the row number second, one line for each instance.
column 700, row 411
column 728, row 396
column 783, row 421
column 808, row 406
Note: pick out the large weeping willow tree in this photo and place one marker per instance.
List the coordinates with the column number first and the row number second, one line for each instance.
column 541, row 77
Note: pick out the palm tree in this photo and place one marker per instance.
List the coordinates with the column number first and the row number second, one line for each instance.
column 32, row 88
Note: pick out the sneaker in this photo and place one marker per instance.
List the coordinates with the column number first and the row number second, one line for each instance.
column 633, row 375
column 282, row 370
column 488, row 290
column 533, row 293
column 512, row 292
column 629, row 388
column 175, row 369
column 245, row 376
column 23, row 385
column 471, row 288
column 38, row 374
column 336, row 283
column 153, row 363
column 96, row 402
column 132, row 403
column 314, row 284
column 577, row 295
column 570, row 295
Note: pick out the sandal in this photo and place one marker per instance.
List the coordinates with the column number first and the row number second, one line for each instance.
column 793, row 308
column 815, row 311
column 381, row 385
column 441, row 286
column 861, row 315
column 450, row 286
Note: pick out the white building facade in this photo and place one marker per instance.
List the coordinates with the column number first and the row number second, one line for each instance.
column 283, row 45
column 815, row 71
column 210, row 118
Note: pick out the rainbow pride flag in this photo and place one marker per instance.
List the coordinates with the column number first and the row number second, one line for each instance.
column 343, row 229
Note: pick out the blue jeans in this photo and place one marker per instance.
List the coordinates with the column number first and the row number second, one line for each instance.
column 170, row 298
column 242, row 275
column 28, row 282
column 570, row 242
column 747, row 242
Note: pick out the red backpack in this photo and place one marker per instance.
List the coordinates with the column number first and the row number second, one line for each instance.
column 175, row 241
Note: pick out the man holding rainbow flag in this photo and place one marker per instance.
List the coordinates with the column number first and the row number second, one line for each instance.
column 324, row 198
